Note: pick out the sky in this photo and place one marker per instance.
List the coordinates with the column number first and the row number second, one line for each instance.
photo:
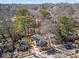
column 37, row 1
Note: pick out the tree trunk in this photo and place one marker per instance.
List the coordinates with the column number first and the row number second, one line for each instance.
column 25, row 29
column 10, row 34
column 4, row 37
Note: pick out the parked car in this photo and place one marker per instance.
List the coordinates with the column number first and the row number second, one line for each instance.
column 39, row 40
column 23, row 46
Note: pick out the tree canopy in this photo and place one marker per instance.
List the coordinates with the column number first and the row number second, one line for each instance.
column 67, row 26
column 23, row 21
column 45, row 13
column 22, row 12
